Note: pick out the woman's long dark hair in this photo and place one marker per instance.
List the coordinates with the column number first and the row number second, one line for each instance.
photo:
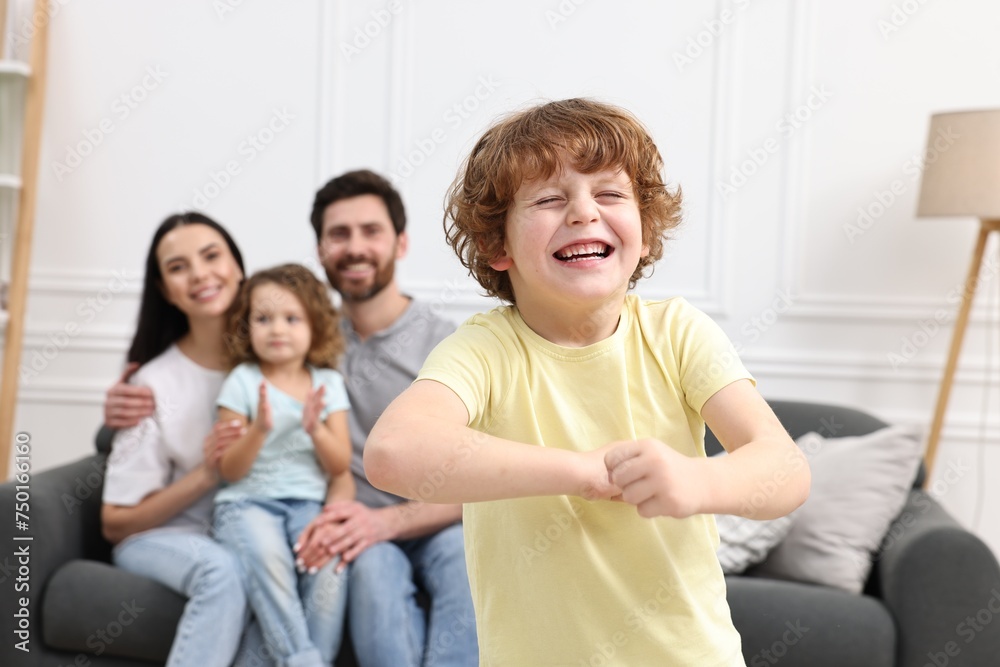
column 161, row 323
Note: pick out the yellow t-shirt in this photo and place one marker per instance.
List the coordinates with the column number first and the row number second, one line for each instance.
column 559, row 580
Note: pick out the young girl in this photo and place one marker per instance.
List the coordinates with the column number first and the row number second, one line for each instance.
column 282, row 331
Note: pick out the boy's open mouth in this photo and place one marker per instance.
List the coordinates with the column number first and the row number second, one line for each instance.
column 581, row 251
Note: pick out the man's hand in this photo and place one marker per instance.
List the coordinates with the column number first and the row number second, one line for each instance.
column 223, row 434
column 344, row 528
column 656, row 478
column 126, row 405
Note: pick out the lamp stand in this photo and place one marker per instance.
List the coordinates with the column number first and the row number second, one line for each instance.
column 985, row 228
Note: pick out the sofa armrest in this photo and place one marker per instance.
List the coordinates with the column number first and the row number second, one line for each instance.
column 64, row 523
column 941, row 583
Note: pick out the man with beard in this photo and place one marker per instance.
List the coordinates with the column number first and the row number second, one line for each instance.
column 395, row 546
column 409, row 602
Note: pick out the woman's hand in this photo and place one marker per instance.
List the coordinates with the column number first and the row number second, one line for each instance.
column 223, row 434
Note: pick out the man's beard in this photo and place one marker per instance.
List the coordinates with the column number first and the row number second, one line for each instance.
column 360, row 293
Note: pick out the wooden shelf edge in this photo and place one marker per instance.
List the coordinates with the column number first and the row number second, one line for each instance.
column 10, row 181
column 15, row 67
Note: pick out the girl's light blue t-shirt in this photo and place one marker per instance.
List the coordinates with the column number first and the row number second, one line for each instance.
column 286, row 466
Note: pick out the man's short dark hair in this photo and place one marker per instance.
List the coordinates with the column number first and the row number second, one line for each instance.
column 355, row 184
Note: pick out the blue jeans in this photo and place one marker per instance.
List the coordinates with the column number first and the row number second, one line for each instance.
column 301, row 616
column 388, row 627
column 196, row 566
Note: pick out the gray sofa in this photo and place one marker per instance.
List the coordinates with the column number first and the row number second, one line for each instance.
column 925, row 584
column 83, row 611
column 923, row 587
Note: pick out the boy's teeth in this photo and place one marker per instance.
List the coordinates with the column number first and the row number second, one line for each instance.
column 583, row 249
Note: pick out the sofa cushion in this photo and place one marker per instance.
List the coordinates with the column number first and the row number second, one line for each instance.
column 96, row 608
column 744, row 542
column 859, row 485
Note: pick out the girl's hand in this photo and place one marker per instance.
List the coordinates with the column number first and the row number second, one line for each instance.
column 312, row 409
column 656, row 478
column 223, row 434
column 264, row 421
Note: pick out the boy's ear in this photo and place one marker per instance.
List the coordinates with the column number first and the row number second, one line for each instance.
column 502, row 263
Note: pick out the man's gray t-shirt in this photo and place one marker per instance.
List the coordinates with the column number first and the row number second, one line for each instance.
column 376, row 371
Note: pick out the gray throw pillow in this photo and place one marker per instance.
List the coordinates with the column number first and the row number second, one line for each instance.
column 859, row 485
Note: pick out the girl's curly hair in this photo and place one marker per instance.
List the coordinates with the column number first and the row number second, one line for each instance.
column 532, row 144
column 324, row 322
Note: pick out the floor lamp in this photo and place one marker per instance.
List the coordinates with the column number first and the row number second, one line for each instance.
column 961, row 178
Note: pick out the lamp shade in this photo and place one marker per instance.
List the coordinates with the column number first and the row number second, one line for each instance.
column 962, row 165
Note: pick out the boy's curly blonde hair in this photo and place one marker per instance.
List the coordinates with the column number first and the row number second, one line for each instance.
column 324, row 322
column 532, row 144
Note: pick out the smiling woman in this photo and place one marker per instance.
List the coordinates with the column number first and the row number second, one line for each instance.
column 158, row 488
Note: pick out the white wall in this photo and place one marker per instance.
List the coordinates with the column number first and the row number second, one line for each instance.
column 818, row 301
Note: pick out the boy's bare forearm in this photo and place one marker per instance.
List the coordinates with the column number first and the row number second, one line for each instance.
column 763, row 479
column 421, row 449
column 434, row 462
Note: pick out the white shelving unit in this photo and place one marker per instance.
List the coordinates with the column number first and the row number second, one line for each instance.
column 13, row 82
